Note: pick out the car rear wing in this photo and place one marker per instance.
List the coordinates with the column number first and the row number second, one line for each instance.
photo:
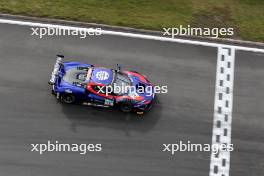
column 56, row 69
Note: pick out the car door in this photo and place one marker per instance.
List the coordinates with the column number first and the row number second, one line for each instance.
column 95, row 96
column 100, row 96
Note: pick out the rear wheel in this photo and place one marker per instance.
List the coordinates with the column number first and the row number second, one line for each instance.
column 68, row 98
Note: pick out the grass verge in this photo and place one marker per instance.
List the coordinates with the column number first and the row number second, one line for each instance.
column 245, row 16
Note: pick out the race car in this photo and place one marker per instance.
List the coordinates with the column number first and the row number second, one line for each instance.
column 76, row 82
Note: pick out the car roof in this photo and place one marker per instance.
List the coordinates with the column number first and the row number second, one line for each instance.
column 102, row 75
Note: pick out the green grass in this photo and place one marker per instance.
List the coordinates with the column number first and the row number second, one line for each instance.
column 246, row 16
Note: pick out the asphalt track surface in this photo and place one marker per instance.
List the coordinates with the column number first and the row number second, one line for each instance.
column 132, row 146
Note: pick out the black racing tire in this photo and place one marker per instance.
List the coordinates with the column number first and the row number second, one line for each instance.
column 68, row 98
column 126, row 107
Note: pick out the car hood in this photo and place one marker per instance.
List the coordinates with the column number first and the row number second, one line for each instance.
column 142, row 86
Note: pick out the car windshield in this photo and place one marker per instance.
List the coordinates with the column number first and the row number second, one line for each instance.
column 121, row 84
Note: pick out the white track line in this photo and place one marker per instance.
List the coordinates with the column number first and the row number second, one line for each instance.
column 220, row 163
column 133, row 35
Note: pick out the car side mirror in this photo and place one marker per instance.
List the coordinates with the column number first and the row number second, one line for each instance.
column 119, row 68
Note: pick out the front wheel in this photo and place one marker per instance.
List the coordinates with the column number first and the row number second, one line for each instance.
column 126, row 107
column 68, row 98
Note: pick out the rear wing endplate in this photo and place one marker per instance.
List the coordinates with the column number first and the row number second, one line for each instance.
column 56, row 69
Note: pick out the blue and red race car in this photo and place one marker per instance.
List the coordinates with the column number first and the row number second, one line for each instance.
column 75, row 82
